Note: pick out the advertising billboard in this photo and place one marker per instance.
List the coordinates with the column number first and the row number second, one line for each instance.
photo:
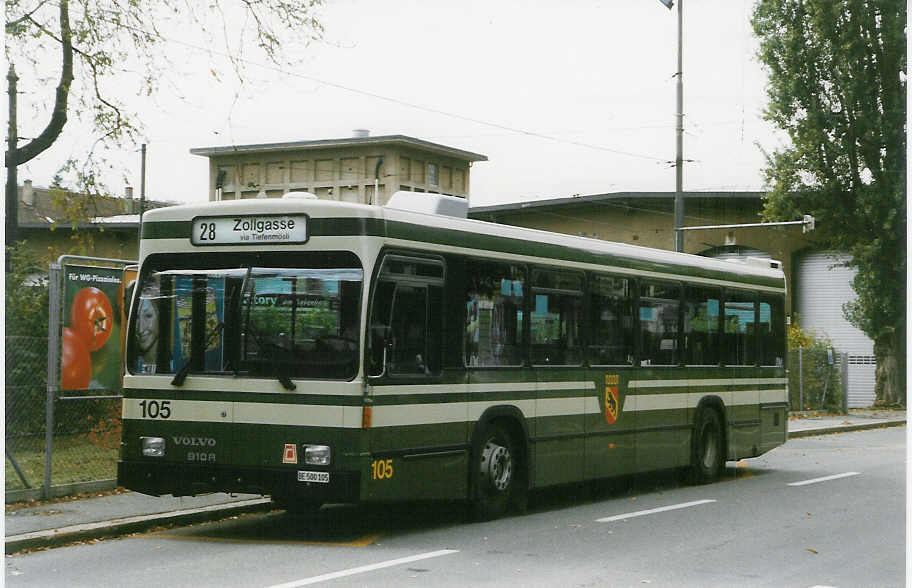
column 91, row 344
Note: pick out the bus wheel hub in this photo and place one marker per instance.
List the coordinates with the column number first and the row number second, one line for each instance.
column 497, row 465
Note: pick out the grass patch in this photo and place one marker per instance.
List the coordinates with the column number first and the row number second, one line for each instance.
column 76, row 458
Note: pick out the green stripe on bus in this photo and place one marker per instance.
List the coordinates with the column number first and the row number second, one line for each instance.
column 347, row 226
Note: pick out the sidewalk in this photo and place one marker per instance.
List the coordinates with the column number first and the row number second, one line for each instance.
column 809, row 423
column 107, row 515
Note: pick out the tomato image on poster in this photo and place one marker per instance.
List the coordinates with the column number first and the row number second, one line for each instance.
column 92, row 319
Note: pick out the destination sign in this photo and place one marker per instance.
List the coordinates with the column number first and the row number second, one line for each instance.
column 249, row 230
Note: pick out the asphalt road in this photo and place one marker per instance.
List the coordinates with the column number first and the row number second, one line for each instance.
column 819, row 511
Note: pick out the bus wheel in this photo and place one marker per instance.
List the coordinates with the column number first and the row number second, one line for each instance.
column 495, row 473
column 707, row 453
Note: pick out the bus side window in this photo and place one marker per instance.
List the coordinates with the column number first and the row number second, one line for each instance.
column 409, row 322
column 658, row 312
column 494, row 314
column 701, row 325
column 555, row 318
column 406, row 317
column 772, row 331
column 611, row 321
column 739, row 328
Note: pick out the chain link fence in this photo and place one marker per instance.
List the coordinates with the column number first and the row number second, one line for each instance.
column 26, row 398
column 816, row 380
column 85, row 426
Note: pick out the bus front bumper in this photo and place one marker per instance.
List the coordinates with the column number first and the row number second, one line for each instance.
column 180, row 479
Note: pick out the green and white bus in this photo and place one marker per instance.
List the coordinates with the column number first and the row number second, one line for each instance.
column 319, row 351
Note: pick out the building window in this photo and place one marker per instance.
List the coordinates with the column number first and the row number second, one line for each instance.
column 432, row 175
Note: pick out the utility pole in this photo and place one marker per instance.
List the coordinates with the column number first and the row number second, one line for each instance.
column 12, row 141
column 142, row 189
column 679, row 131
column 679, row 142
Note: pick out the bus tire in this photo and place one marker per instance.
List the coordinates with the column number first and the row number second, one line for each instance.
column 495, row 471
column 707, row 450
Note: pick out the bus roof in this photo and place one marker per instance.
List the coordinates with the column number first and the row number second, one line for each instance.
column 328, row 217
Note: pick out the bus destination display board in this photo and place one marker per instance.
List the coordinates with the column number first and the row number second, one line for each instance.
column 249, row 230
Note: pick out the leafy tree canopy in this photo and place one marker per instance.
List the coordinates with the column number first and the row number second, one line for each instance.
column 837, row 87
column 100, row 53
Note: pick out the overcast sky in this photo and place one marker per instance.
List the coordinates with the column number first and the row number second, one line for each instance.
column 596, row 78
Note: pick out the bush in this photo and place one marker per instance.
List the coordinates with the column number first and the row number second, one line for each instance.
column 814, row 378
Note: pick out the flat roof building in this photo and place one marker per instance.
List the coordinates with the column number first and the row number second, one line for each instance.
column 349, row 169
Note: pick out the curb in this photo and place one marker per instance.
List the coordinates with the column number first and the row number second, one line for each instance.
column 846, row 428
column 126, row 525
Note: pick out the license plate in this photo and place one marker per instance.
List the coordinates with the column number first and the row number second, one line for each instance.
column 318, row 477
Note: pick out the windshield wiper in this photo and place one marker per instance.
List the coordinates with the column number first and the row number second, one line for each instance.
column 283, row 378
column 182, row 373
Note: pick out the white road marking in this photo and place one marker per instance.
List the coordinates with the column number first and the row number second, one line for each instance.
column 641, row 513
column 825, row 479
column 362, row 569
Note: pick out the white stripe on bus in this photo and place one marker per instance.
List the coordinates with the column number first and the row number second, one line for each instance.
column 458, row 412
column 266, row 413
column 645, row 402
column 480, row 388
column 406, row 389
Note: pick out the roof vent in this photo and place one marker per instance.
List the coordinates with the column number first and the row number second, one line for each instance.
column 762, row 262
column 428, row 203
column 300, row 196
column 361, row 133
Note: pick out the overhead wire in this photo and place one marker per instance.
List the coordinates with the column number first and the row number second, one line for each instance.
column 397, row 101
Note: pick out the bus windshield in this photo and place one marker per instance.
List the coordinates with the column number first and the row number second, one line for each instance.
column 254, row 321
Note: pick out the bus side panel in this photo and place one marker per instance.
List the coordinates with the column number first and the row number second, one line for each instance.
column 610, row 448
column 412, row 462
column 418, row 441
column 560, row 408
column 773, row 411
column 773, row 424
column 663, row 433
column 743, row 413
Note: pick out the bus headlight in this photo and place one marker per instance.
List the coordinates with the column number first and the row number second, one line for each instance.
column 153, row 446
column 317, row 455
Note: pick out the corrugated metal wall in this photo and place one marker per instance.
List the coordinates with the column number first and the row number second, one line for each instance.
column 822, row 286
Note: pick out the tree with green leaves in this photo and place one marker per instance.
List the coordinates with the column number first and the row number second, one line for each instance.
column 837, row 88
column 101, row 52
